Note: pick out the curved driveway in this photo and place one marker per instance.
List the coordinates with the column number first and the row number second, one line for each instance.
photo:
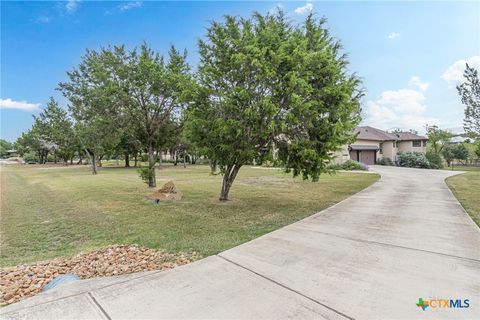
column 371, row 256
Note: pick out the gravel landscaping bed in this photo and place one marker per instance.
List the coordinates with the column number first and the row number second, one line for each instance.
column 20, row 282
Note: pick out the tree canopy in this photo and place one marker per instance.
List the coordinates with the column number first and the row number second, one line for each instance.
column 265, row 85
column 438, row 138
column 55, row 128
column 92, row 105
column 4, row 147
column 469, row 91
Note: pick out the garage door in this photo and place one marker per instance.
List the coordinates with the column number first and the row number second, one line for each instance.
column 367, row 157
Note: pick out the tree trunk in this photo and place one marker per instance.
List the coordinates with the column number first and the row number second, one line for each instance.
column 55, row 158
column 184, row 160
column 228, row 178
column 160, row 162
column 127, row 160
column 136, row 160
column 94, row 163
column 100, row 161
column 175, row 158
column 71, row 160
column 213, row 166
column 117, row 162
column 152, row 182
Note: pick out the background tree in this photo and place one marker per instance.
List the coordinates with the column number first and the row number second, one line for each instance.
column 263, row 82
column 167, row 138
column 477, row 148
column 152, row 94
column 93, row 106
column 31, row 142
column 448, row 154
column 454, row 151
column 460, row 152
column 4, row 147
column 57, row 129
column 129, row 144
column 437, row 138
column 469, row 91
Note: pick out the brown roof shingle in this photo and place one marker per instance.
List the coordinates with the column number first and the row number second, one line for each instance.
column 370, row 133
column 374, row 134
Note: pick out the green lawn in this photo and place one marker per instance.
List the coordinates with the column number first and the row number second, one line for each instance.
column 466, row 188
column 49, row 212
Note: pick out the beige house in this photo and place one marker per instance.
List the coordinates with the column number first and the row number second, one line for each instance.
column 373, row 144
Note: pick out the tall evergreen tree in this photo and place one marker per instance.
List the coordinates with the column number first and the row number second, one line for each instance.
column 264, row 83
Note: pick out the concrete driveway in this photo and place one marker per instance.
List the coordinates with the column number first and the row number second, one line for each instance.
column 371, row 256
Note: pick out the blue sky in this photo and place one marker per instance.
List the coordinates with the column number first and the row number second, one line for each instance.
column 410, row 55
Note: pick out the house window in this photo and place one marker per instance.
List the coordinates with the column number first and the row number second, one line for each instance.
column 424, row 143
column 416, row 143
column 394, row 144
column 381, row 148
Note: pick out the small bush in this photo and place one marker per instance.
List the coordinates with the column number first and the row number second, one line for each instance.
column 30, row 157
column 349, row 165
column 146, row 174
column 385, row 162
column 434, row 159
column 412, row 160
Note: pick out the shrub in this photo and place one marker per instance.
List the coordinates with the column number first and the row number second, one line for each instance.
column 412, row 160
column 385, row 162
column 30, row 157
column 434, row 159
column 349, row 165
column 146, row 174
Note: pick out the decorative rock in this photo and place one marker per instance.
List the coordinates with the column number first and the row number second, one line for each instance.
column 167, row 192
column 168, row 187
column 24, row 281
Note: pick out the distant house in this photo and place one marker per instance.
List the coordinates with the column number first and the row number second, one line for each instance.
column 11, row 153
column 373, row 144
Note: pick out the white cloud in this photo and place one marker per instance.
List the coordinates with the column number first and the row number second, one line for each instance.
column 131, row 5
column 20, row 105
column 308, row 7
column 403, row 100
column 71, row 6
column 454, row 73
column 401, row 108
column 42, row 19
column 415, row 81
column 393, row 35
